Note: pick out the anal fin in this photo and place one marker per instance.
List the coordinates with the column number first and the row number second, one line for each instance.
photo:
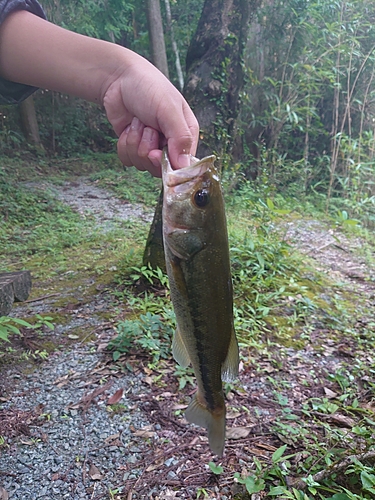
column 229, row 370
column 179, row 350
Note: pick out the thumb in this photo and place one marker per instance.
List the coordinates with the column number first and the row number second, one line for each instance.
column 179, row 152
column 182, row 140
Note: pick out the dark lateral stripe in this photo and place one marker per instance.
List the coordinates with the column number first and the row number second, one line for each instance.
column 200, row 331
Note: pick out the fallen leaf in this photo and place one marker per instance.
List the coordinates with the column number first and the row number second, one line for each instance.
column 28, row 443
column 73, row 336
column 341, row 420
column 87, row 399
column 232, row 415
column 145, row 432
column 3, row 494
column 330, row 394
column 179, row 407
column 155, row 465
column 111, row 438
column 194, row 441
column 61, row 384
column 115, row 398
column 257, row 452
column 55, row 476
column 60, row 379
column 168, row 495
column 238, row 432
column 148, row 380
column 266, row 446
column 102, row 346
column 95, row 473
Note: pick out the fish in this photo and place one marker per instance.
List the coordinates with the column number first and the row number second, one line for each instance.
column 197, row 260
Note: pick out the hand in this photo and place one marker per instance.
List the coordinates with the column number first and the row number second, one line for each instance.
column 147, row 112
column 145, row 109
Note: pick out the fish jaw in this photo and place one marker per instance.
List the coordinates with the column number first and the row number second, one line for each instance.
column 174, row 178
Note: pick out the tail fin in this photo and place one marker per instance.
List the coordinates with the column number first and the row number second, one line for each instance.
column 197, row 414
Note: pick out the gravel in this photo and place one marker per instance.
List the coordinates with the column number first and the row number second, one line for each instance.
column 75, row 451
column 56, row 460
column 89, row 200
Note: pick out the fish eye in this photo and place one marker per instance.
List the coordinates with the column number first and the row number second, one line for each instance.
column 201, row 198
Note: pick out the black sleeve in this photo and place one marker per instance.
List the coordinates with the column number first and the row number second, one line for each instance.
column 11, row 92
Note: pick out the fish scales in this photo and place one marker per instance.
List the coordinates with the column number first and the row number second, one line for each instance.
column 197, row 260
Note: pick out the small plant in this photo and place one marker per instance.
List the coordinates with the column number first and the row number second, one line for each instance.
column 251, row 483
column 185, row 376
column 150, row 332
column 342, row 219
column 153, row 276
column 215, row 469
column 43, row 321
column 279, row 469
column 201, row 492
column 8, row 326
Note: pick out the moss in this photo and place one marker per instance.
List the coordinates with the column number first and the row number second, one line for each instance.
column 284, row 333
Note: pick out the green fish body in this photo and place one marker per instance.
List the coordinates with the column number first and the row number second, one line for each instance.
column 198, row 267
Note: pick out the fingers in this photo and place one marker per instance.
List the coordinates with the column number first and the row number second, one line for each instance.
column 182, row 134
column 135, row 144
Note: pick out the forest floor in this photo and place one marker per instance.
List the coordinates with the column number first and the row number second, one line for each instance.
column 78, row 425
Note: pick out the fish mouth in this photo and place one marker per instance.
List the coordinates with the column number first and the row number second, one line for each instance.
column 197, row 168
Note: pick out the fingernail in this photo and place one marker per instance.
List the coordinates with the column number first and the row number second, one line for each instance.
column 136, row 124
column 154, row 161
column 148, row 134
column 184, row 160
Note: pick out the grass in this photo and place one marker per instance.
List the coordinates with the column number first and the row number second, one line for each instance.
column 288, row 315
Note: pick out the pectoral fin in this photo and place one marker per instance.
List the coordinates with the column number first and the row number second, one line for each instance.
column 179, row 350
column 184, row 243
column 229, row 370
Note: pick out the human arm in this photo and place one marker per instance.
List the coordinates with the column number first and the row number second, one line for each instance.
column 144, row 108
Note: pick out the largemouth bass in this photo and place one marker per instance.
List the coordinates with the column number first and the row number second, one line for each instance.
column 197, row 260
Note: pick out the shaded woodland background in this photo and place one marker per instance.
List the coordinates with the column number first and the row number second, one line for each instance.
column 284, row 91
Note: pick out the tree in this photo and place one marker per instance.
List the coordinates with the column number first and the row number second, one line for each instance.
column 29, row 123
column 176, row 52
column 156, row 33
column 154, row 250
column 308, row 101
column 215, row 74
column 215, row 79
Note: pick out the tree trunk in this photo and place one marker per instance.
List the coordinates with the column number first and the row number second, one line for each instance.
column 215, row 72
column 155, row 29
column 29, row 123
column 180, row 76
column 153, row 254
